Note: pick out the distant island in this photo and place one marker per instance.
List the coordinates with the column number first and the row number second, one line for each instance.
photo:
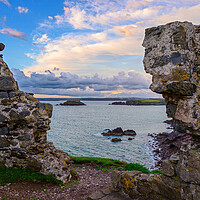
column 140, row 102
column 73, row 103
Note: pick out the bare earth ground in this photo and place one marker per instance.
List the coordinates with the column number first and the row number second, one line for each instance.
column 90, row 180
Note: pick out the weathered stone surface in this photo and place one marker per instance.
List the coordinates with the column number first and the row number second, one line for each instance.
column 2, row 46
column 3, row 95
column 144, row 186
column 172, row 58
column 24, row 122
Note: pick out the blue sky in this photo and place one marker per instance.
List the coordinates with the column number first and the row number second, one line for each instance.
column 84, row 48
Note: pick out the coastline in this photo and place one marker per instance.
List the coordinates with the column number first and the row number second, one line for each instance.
column 163, row 145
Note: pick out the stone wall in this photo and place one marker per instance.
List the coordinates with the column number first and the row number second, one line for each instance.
column 172, row 57
column 24, row 122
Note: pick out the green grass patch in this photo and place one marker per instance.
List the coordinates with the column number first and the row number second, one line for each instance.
column 107, row 163
column 10, row 175
column 152, row 100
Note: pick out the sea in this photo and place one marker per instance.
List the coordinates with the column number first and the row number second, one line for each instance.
column 77, row 130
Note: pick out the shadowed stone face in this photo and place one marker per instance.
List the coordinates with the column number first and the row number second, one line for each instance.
column 172, row 57
column 2, row 46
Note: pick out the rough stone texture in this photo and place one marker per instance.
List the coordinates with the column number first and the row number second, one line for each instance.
column 137, row 185
column 24, row 122
column 2, row 46
column 172, row 57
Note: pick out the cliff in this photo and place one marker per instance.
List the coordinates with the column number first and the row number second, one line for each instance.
column 172, row 57
column 24, row 122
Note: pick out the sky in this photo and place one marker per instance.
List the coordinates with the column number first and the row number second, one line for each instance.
column 84, row 48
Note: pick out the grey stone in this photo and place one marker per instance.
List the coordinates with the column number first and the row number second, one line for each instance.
column 4, row 142
column 7, row 83
column 24, row 114
column 168, row 168
column 26, row 137
column 3, row 118
column 14, row 115
column 3, row 95
column 4, row 130
column 12, row 94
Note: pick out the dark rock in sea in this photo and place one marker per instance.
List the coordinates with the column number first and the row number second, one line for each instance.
column 118, row 132
column 129, row 132
column 130, row 138
column 72, row 103
column 116, row 140
column 115, row 132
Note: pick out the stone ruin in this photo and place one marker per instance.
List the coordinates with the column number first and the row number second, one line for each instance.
column 172, row 57
column 24, row 122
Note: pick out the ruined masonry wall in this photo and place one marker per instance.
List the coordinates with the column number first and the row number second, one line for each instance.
column 24, row 122
column 172, row 57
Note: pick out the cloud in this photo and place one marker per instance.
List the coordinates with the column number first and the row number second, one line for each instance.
column 78, row 18
column 65, row 83
column 180, row 14
column 41, row 40
column 72, row 52
column 51, row 18
column 13, row 33
column 22, row 9
column 66, row 11
column 5, row 2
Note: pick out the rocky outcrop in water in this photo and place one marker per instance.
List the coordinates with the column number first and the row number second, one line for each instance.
column 118, row 132
column 172, row 57
column 24, row 122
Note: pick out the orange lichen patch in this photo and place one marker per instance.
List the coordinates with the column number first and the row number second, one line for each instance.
column 179, row 75
column 186, row 76
column 128, row 182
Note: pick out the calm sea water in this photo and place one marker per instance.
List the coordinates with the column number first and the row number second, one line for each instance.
column 77, row 130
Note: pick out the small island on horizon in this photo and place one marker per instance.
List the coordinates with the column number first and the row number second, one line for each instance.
column 73, row 103
column 140, row 102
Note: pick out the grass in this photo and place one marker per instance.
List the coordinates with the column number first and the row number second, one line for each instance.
column 151, row 100
column 10, row 175
column 107, row 163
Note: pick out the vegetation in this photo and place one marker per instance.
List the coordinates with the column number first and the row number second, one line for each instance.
column 108, row 163
column 10, row 175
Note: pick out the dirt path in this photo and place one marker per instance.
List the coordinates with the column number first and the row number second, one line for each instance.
column 90, row 180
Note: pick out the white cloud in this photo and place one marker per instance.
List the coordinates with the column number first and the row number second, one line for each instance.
column 180, row 14
column 50, row 17
column 42, row 40
column 78, row 18
column 5, row 2
column 13, row 33
column 69, row 52
column 22, row 9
